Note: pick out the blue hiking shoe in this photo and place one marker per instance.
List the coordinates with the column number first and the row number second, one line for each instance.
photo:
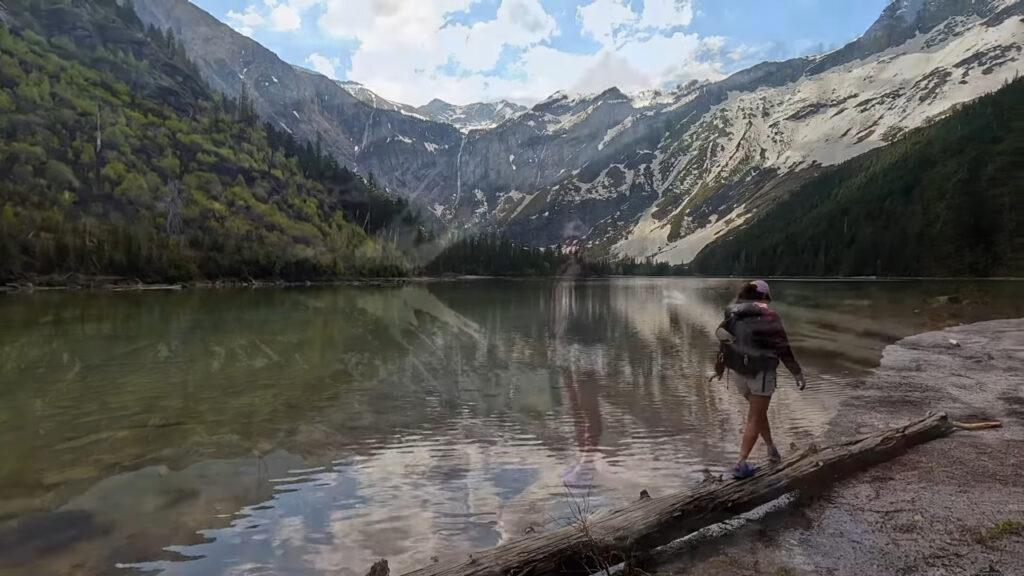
column 773, row 455
column 743, row 470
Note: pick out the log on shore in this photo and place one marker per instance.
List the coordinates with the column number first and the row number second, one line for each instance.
column 614, row 537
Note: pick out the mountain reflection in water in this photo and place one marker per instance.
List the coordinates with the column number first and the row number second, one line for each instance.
column 315, row 431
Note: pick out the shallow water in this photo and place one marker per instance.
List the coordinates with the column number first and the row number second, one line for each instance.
column 313, row 431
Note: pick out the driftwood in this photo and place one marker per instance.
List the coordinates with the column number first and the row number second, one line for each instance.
column 607, row 539
column 977, row 425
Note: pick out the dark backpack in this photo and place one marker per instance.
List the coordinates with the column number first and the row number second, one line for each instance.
column 742, row 354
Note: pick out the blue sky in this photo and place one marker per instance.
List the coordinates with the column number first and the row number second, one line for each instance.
column 471, row 50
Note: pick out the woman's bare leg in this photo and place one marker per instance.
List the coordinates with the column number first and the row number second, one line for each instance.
column 757, row 424
column 751, row 429
column 766, row 427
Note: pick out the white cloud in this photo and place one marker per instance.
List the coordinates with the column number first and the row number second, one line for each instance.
column 277, row 15
column 405, row 46
column 284, row 18
column 416, row 34
column 410, row 51
column 666, row 13
column 323, row 64
column 611, row 69
column 657, row 61
column 602, row 18
column 644, row 49
column 378, row 23
column 246, row 22
column 518, row 23
column 605, row 20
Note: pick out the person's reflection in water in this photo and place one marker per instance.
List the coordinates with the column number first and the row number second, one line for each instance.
column 582, row 394
column 580, row 385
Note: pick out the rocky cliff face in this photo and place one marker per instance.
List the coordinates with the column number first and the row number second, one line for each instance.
column 403, row 151
column 659, row 174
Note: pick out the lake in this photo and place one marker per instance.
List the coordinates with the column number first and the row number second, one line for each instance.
column 313, row 431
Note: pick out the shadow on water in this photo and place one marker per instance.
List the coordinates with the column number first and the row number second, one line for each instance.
column 313, row 431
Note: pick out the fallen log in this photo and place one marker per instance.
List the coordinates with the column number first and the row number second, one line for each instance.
column 607, row 539
column 977, row 425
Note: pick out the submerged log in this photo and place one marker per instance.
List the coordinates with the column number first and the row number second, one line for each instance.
column 604, row 540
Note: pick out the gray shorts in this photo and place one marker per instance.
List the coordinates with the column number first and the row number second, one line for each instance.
column 762, row 384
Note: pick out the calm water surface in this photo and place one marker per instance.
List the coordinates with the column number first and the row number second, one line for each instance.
column 313, row 431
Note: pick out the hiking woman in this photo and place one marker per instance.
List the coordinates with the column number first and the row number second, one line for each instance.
column 752, row 343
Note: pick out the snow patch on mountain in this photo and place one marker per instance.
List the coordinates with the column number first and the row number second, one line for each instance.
column 615, row 131
column 819, row 120
column 686, row 250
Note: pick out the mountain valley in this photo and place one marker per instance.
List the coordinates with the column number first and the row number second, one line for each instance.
column 655, row 175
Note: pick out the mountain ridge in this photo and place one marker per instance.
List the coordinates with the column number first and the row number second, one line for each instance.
column 663, row 175
column 464, row 117
column 473, row 116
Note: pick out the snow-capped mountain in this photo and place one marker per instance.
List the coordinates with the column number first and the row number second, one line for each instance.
column 476, row 116
column 656, row 174
column 757, row 144
column 367, row 96
column 702, row 161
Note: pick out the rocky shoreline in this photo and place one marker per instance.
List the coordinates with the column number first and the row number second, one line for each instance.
column 953, row 506
column 75, row 282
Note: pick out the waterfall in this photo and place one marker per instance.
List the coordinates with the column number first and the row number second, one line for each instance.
column 458, row 174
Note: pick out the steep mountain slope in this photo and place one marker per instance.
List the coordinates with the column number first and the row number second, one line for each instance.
column 657, row 175
column 827, row 116
column 404, row 152
column 750, row 146
column 943, row 200
column 118, row 160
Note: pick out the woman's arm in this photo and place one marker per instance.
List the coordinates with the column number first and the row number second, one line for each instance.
column 785, row 354
column 778, row 342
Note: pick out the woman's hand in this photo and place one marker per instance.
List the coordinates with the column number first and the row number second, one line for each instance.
column 801, row 381
column 719, row 367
